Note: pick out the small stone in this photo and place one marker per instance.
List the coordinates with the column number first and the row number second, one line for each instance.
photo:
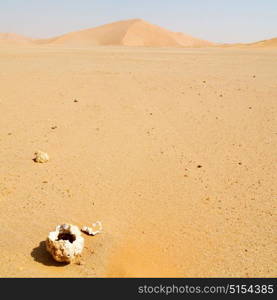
column 79, row 263
column 54, row 127
column 95, row 229
column 41, row 157
column 75, row 100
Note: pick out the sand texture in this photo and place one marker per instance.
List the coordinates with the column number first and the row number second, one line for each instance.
column 173, row 150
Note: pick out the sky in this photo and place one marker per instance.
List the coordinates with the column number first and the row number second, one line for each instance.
column 224, row 21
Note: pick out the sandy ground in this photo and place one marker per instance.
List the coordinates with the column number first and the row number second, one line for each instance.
column 172, row 149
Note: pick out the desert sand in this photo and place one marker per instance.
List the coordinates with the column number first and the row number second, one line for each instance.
column 172, row 149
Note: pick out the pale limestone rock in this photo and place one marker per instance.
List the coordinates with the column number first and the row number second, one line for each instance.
column 41, row 157
column 95, row 229
column 66, row 243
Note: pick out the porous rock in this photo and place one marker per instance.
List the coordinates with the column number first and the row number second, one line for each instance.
column 66, row 243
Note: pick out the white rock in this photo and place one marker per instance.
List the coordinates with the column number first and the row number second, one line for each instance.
column 95, row 229
column 66, row 243
column 41, row 157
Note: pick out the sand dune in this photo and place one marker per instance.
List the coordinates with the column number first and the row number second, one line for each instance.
column 265, row 43
column 14, row 39
column 271, row 43
column 135, row 32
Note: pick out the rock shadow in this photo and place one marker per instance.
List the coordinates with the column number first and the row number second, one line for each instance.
column 40, row 255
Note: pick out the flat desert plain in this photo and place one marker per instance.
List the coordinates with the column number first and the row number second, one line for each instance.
column 172, row 150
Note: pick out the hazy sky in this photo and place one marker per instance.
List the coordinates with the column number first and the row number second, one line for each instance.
column 214, row 20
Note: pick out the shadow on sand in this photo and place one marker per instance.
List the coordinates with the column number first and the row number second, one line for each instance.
column 42, row 256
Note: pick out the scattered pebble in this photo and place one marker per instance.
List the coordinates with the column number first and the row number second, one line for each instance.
column 41, row 157
column 75, row 100
column 199, row 166
column 95, row 229
column 54, row 127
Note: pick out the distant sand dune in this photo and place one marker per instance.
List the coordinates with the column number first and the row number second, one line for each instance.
column 13, row 39
column 271, row 43
column 265, row 43
column 135, row 32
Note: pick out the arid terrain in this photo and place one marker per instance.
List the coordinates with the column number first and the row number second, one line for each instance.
column 172, row 149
